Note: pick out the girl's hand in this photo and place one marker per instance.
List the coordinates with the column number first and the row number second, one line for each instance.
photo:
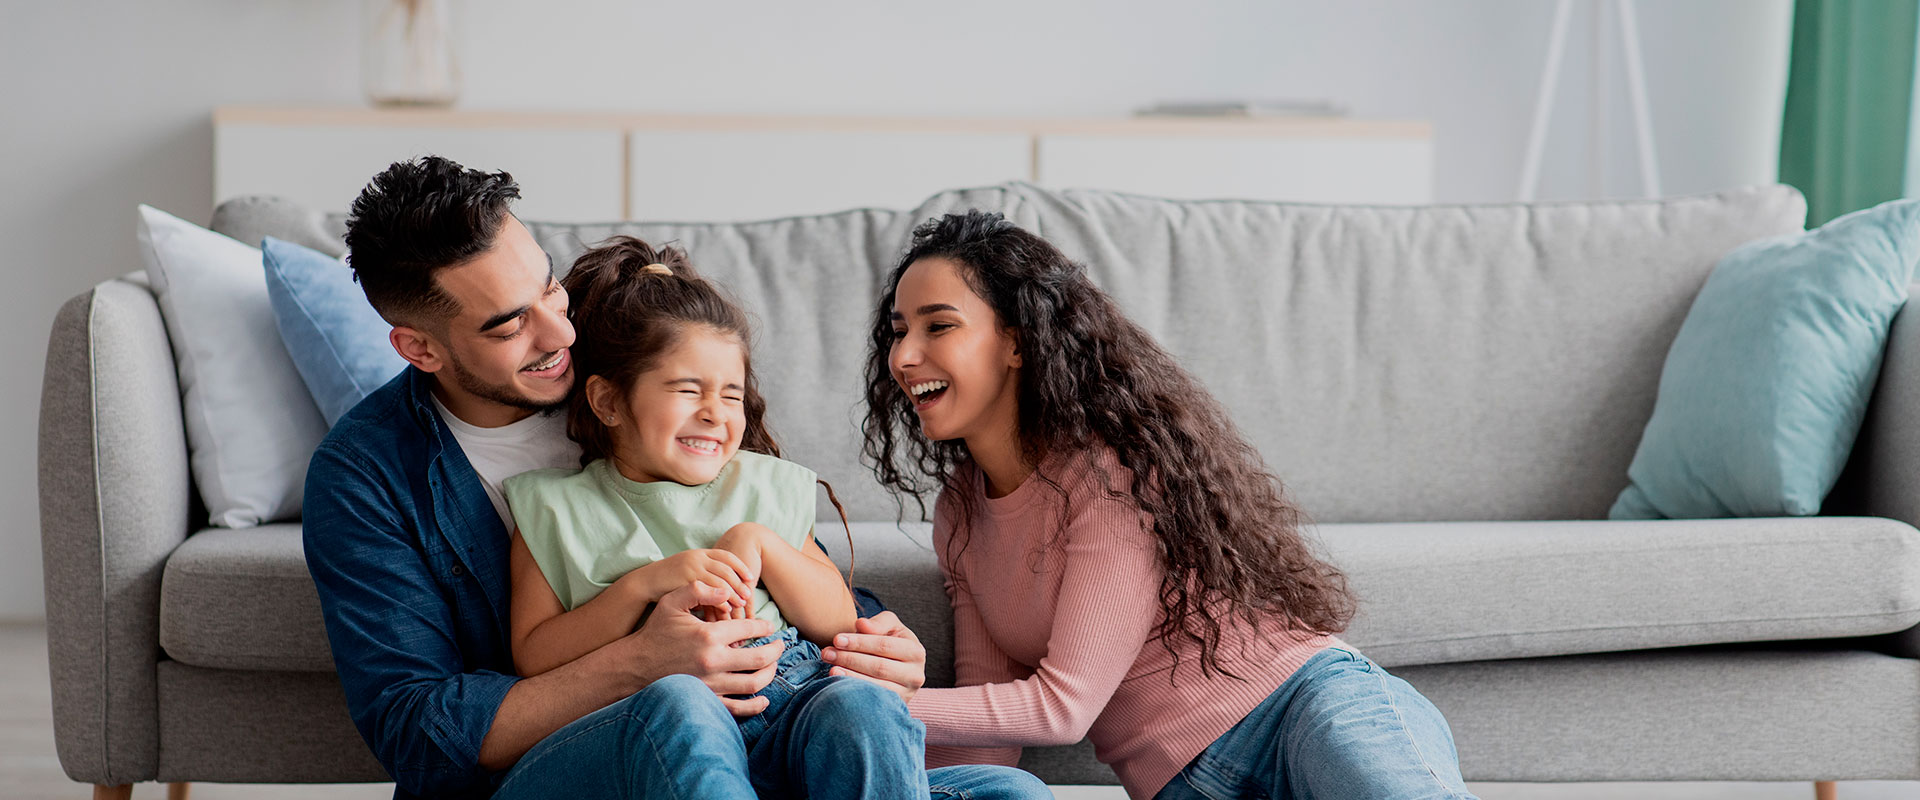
column 746, row 540
column 725, row 612
column 718, row 568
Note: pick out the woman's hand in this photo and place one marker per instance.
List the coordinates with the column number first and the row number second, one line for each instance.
column 881, row 649
column 714, row 567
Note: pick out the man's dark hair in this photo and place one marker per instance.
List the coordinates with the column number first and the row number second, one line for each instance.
column 415, row 219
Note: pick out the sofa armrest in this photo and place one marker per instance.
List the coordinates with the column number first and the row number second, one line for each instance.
column 1882, row 478
column 114, row 502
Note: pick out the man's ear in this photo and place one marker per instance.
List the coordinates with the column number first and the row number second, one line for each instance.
column 604, row 399
column 418, row 348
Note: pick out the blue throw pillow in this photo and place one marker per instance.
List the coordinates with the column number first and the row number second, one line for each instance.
column 337, row 341
column 1765, row 387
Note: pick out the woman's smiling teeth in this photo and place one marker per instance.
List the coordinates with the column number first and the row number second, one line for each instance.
column 707, row 446
column 926, row 390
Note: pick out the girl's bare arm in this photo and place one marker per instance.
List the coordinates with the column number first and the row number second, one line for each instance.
column 546, row 635
column 804, row 582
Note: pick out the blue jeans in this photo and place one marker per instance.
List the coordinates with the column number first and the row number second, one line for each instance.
column 1339, row 727
column 832, row 738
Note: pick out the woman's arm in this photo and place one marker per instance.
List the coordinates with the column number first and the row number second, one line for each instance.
column 977, row 661
column 1105, row 612
column 803, row 581
column 546, row 635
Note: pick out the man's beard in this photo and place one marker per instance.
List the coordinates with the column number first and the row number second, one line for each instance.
column 503, row 395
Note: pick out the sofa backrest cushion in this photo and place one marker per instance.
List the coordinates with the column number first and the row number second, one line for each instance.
column 1420, row 363
column 1392, row 364
column 809, row 283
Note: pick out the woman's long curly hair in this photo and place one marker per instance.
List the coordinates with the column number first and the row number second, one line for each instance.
column 1230, row 541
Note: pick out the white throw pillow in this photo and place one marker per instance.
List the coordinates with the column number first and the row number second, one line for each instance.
column 251, row 425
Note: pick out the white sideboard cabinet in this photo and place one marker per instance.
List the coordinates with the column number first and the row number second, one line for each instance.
column 604, row 166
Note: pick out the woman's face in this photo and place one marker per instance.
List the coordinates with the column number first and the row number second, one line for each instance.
column 683, row 419
column 950, row 354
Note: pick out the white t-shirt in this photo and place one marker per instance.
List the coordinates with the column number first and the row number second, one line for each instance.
column 537, row 442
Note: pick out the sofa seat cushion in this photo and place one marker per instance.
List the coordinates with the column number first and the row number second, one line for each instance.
column 1435, row 593
column 1430, row 593
column 242, row 599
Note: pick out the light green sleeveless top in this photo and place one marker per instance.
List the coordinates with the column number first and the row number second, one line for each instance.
column 588, row 527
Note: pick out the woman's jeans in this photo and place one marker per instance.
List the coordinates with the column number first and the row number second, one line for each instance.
column 820, row 736
column 1339, row 727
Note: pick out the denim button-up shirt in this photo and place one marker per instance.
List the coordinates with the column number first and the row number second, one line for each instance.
column 410, row 559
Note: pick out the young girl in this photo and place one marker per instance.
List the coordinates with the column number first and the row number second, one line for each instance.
column 1121, row 564
column 682, row 483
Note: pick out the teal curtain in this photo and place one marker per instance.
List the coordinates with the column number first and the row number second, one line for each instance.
column 1850, row 90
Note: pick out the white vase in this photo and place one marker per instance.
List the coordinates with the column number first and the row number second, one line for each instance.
column 407, row 57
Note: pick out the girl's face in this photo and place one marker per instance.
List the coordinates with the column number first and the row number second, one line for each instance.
column 951, row 355
column 683, row 419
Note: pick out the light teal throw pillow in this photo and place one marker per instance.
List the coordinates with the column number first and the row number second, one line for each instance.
column 337, row 341
column 1765, row 386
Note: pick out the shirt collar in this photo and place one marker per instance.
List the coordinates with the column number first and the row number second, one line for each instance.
column 420, row 404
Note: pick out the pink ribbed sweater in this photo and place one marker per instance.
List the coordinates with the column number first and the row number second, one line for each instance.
column 1052, row 643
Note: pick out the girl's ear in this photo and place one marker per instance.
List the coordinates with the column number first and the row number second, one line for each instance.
column 604, row 400
column 1012, row 338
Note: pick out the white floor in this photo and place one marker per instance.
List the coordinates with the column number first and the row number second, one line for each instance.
column 29, row 770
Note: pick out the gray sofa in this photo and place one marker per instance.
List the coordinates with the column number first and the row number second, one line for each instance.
column 1453, row 393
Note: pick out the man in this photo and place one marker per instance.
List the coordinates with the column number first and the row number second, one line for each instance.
column 406, row 535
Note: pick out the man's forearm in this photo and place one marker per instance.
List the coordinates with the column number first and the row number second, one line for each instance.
column 536, row 707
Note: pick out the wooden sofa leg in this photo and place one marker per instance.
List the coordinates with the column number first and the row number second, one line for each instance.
column 1825, row 790
column 175, row 791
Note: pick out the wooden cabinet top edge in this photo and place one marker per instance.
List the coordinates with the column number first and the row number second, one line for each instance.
column 350, row 116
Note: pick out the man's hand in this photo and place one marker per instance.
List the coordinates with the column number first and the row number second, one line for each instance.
column 881, row 649
column 673, row 640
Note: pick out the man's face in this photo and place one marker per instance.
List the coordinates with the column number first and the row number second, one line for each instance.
column 506, row 348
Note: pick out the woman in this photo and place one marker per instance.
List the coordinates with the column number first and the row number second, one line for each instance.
column 1120, row 562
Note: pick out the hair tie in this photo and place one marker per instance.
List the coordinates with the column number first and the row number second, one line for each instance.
column 657, row 268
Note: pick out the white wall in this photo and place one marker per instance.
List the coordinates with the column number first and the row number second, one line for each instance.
column 106, row 104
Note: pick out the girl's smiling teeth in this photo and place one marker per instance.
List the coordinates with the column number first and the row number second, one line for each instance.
column 703, row 446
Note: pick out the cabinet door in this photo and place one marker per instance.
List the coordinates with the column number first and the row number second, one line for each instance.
column 564, row 175
column 725, row 176
column 1387, row 170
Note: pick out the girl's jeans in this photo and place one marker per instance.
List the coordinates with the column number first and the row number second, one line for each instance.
column 820, row 737
column 1340, row 727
